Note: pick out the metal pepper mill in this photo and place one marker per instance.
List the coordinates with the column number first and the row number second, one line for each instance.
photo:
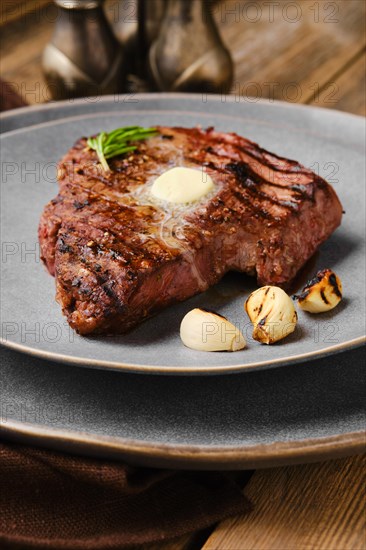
column 189, row 55
column 83, row 58
column 136, row 24
column 123, row 17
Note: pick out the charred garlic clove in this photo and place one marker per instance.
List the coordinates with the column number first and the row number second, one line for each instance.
column 272, row 313
column 204, row 330
column 322, row 293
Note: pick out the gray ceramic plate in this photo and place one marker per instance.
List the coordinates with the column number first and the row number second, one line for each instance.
column 331, row 143
column 301, row 413
column 311, row 411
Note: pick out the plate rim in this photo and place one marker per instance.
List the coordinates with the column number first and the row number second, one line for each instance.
column 190, row 456
column 74, row 118
column 179, row 370
column 159, row 369
column 229, row 98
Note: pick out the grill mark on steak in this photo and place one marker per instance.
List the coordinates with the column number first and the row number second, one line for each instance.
column 258, row 211
column 248, row 179
column 256, row 153
column 243, row 171
column 119, row 255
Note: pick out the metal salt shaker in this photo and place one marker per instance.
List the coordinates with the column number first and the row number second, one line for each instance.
column 83, row 58
column 188, row 54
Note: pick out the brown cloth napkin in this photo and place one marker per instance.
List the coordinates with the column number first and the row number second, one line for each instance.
column 59, row 501
column 9, row 98
column 55, row 500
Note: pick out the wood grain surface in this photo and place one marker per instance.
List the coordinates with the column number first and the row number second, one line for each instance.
column 310, row 52
column 294, row 54
column 315, row 506
column 306, row 51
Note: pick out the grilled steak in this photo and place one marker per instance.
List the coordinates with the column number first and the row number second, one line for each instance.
column 119, row 255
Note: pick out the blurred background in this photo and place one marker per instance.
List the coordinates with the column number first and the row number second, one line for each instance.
column 305, row 51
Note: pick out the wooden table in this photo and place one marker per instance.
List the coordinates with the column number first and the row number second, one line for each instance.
column 310, row 52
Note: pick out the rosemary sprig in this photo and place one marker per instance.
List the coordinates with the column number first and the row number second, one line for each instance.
column 109, row 145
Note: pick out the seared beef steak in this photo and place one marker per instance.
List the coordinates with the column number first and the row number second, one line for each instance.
column 119, row 255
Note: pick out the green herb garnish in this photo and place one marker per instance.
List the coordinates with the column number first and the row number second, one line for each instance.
column 109, row 145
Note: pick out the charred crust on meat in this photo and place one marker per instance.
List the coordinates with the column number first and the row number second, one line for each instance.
column 258, row 211
column 76, row 282
column 114, row 254
column 132, row 275
column 108, row 289
column 80, row 205
column 121, row 168
column 62, row 247
column 108, row 312
column 57, row 200
column 85, row 290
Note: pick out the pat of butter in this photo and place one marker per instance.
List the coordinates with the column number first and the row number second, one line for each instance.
column 181, row 185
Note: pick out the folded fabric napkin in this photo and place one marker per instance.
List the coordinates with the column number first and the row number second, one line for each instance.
column 55, row 500
column 9, row 98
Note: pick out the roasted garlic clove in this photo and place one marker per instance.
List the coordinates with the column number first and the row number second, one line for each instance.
column 272, row 313
column 204, row 330
column 322, row 293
